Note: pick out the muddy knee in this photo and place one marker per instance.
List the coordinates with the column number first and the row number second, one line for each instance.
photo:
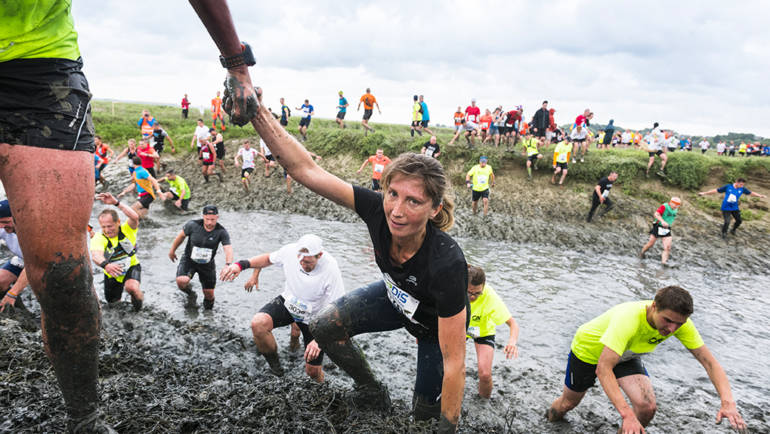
column 645, row 411
column 327, row 326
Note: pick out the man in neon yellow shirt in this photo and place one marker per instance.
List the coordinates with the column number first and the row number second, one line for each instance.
column 416, row 117
column 561, row 156
column 179, row 191
column 531, row 145
column 114, row 250
column 609, row 347
column 45, row 117
column 479, row 179
column 487, row 312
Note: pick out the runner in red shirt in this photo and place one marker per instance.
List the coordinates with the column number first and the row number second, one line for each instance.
column 472, row 114
column 185, row 106
column 147, row 153
column 512, row 125
column 379, row 161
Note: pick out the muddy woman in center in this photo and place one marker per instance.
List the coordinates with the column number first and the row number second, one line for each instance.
column 424, row 276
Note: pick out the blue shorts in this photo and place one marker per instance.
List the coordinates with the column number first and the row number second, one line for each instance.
column 493, row 130
column 15, row 269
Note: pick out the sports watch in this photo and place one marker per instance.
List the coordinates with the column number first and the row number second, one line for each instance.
column 245, row 57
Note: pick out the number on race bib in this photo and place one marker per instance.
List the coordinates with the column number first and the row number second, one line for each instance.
column 201, row 255
column 298, row 309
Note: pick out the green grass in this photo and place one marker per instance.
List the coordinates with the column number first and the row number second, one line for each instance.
column 116, row 123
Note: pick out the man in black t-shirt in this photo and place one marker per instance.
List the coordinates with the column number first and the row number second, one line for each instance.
column 601, row 195
column 431, row 148
column 205, row 235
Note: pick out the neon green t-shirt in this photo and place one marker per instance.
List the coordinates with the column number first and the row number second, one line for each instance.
column 99, row 243
column 487, row 312
column 178, row 185
column 624, row 329
column 530, row 145
column 416, row 115
column 562, row 151
column 480, row 177
column 36, row 29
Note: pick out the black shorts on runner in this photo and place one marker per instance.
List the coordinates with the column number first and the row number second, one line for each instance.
column 415, row 124
column 656, row 231
column 270, row 157
column 367, row 114
column 539, row 133
column 220, row 150
column 485, row 340
column 151, row 171
column 208, row 163
column 207, row 273
column 376, row 185
column 479, row 194
column 113, row 289
column 246, row 172
column 45, row 103
column 563, row 166
column 341, row 115
column 185, row 202
column 578, row 140
column 145, row 200
column 158, row 148
column 304, row 122
column 283, row 122
column 425, row 123
column 532, row 158
column 581, row 376
column 101, row 167
column 281, row 317
column 658, row 152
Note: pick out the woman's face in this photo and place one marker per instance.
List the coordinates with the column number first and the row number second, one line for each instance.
column 407, row 207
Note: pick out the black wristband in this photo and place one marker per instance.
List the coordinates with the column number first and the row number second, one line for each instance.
column 244, row 264
column 103, row 263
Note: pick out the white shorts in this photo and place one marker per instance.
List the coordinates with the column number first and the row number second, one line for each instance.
column 470, row 126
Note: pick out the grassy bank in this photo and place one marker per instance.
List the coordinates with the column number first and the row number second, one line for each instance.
column 116, row 123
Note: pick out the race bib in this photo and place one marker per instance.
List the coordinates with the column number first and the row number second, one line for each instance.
column 379, row 168
column 562, row 158
column 125, row 264
column 400, row 299
column 298, row 309
column 481, row 179
column 206, row 155
column 606, row 193
column 429, row 152
column 474, row 332
column 663, row 231
column 17, row 262
column 201, row 255
column 732, row 198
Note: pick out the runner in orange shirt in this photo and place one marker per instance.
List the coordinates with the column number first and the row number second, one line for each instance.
column 379, row 161
column 459, row 118
column 369, row 102
column 216, row 112
column 485, row 122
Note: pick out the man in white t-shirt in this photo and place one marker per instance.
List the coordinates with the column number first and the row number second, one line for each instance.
column 247, row 154
column 267, row 157
column 201, row 133
column 721, row 146
column 13, row 278
column 312, row 281
column 656, row 146
column 625, row 138
column 704, row 145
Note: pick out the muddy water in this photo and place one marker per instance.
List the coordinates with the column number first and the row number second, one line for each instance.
column 550, row 292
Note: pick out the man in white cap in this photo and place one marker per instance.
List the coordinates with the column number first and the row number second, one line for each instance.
column 312, row 280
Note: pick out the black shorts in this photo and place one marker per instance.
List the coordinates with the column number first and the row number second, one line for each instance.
column 113, row 289
column 283, row 122
column 304, row 122
column 281, row 317
column 581, row 375
column 416, row 124
column 578, row 140
column 207, row 273
column 220, row 150
column 246, row 172
column 539, row 133
column 562, row 166
column 425, row 123
column 151, row 171
column 270, row 157
column 479, row 194
column 146, row 199
column 658, row 152
column 101, row 167
column 376, row 185
column 158, row 148
column 503, row 130
column 45, row 103
column 532, row 157
column 185, row 202
column 208, row 163
column 341, row 115
column 367, row 114
column 655, row 231
column 485, row 340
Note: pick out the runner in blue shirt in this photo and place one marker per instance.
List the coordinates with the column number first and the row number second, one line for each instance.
column 304, row 121
column 343, row 108
column 733, row 193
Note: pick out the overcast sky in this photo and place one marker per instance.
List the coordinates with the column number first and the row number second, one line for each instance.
column 697, row 67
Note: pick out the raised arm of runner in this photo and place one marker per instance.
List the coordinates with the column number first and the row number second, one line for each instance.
column 718, row 377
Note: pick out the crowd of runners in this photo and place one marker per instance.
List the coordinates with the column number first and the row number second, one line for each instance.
column 426, row 287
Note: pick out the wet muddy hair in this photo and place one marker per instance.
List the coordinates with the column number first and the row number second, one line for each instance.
column 434, row 180
column 110, row 212
column 674, row 298
column 476, row 275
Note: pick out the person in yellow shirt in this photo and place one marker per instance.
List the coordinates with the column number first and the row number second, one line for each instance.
column 532, row 152
column 609, row 347
column 114, row 250
column 487, row 312
column 479, row 179
column 561, row 156
column 416, row 117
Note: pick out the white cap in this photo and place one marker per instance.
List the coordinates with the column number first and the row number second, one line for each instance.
column 310, row 242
